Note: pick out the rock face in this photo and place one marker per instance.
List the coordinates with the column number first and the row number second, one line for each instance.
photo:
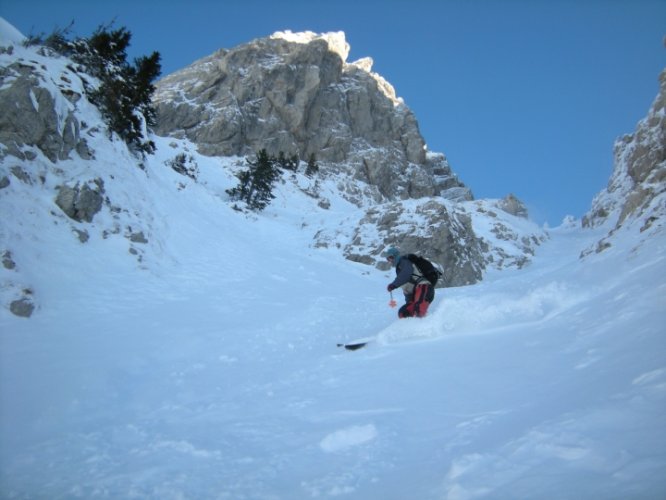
column 31, row 114
column 462, row 238
column 637, row 187
column 295, row 93
column 439, row 232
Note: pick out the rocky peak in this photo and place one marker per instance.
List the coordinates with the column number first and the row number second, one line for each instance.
column 295, row 93
column 636, row 191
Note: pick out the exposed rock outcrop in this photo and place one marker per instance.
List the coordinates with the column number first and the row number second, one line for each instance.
column 463, row 238
column 39, row 113
column 432, row 229
column 81, row 203
column 512, row 205
column 637, row 187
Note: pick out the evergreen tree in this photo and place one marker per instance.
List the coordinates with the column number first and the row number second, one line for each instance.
column 285, row 163
column 124, row 95
column 108, row 48
column 147, row 69
column 312, row 167
column 255, row 186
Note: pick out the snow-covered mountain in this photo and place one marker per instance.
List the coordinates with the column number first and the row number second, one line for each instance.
column 157, row 343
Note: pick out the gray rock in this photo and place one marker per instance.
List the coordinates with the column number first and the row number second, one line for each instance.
column 28, row 116
column 22, row 307
column 21, row 174
column 83, row 236
column 81, row 203
column 638, row 178
column 138, row 237
column 512, row 205
column 441, row 231
column 442, row 235
column 7, row 260
column 295, row 93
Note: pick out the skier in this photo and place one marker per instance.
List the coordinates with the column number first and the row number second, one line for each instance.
column 419, row 292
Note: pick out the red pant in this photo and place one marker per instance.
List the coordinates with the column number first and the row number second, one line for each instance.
column 417, row 305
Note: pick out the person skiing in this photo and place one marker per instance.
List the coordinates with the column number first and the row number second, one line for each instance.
column 419, row 292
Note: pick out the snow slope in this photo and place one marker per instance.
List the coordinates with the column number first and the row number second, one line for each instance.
column 209, row 368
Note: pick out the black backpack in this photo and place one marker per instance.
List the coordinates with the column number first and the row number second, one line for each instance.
column 428, row 270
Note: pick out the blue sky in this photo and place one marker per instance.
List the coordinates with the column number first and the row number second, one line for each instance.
column 523, row 96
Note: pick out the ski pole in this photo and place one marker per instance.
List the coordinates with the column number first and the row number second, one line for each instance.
column 392, row 303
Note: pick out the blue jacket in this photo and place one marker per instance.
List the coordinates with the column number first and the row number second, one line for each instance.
column 407, row 275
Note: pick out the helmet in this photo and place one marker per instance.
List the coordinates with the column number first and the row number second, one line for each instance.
column 393, row 252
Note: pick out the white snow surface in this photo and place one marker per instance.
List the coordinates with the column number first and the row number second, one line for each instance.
column 210, row 368
column 204, row 364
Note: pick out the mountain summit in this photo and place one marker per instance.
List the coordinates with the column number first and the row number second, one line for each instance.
column 295, row 93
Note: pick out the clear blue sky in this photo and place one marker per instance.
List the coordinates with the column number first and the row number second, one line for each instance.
column 523, row 96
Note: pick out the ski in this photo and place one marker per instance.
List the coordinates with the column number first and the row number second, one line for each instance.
column 354, row 346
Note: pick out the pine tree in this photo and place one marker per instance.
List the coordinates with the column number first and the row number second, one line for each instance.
column 285, row 163
column 145, row 72
column 124, row 95
column 255, row 186
column 312, row 167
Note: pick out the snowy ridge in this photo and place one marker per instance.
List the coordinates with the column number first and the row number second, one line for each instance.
column 199, row 361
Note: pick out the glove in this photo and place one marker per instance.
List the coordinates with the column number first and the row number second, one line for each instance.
column 391, row 287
